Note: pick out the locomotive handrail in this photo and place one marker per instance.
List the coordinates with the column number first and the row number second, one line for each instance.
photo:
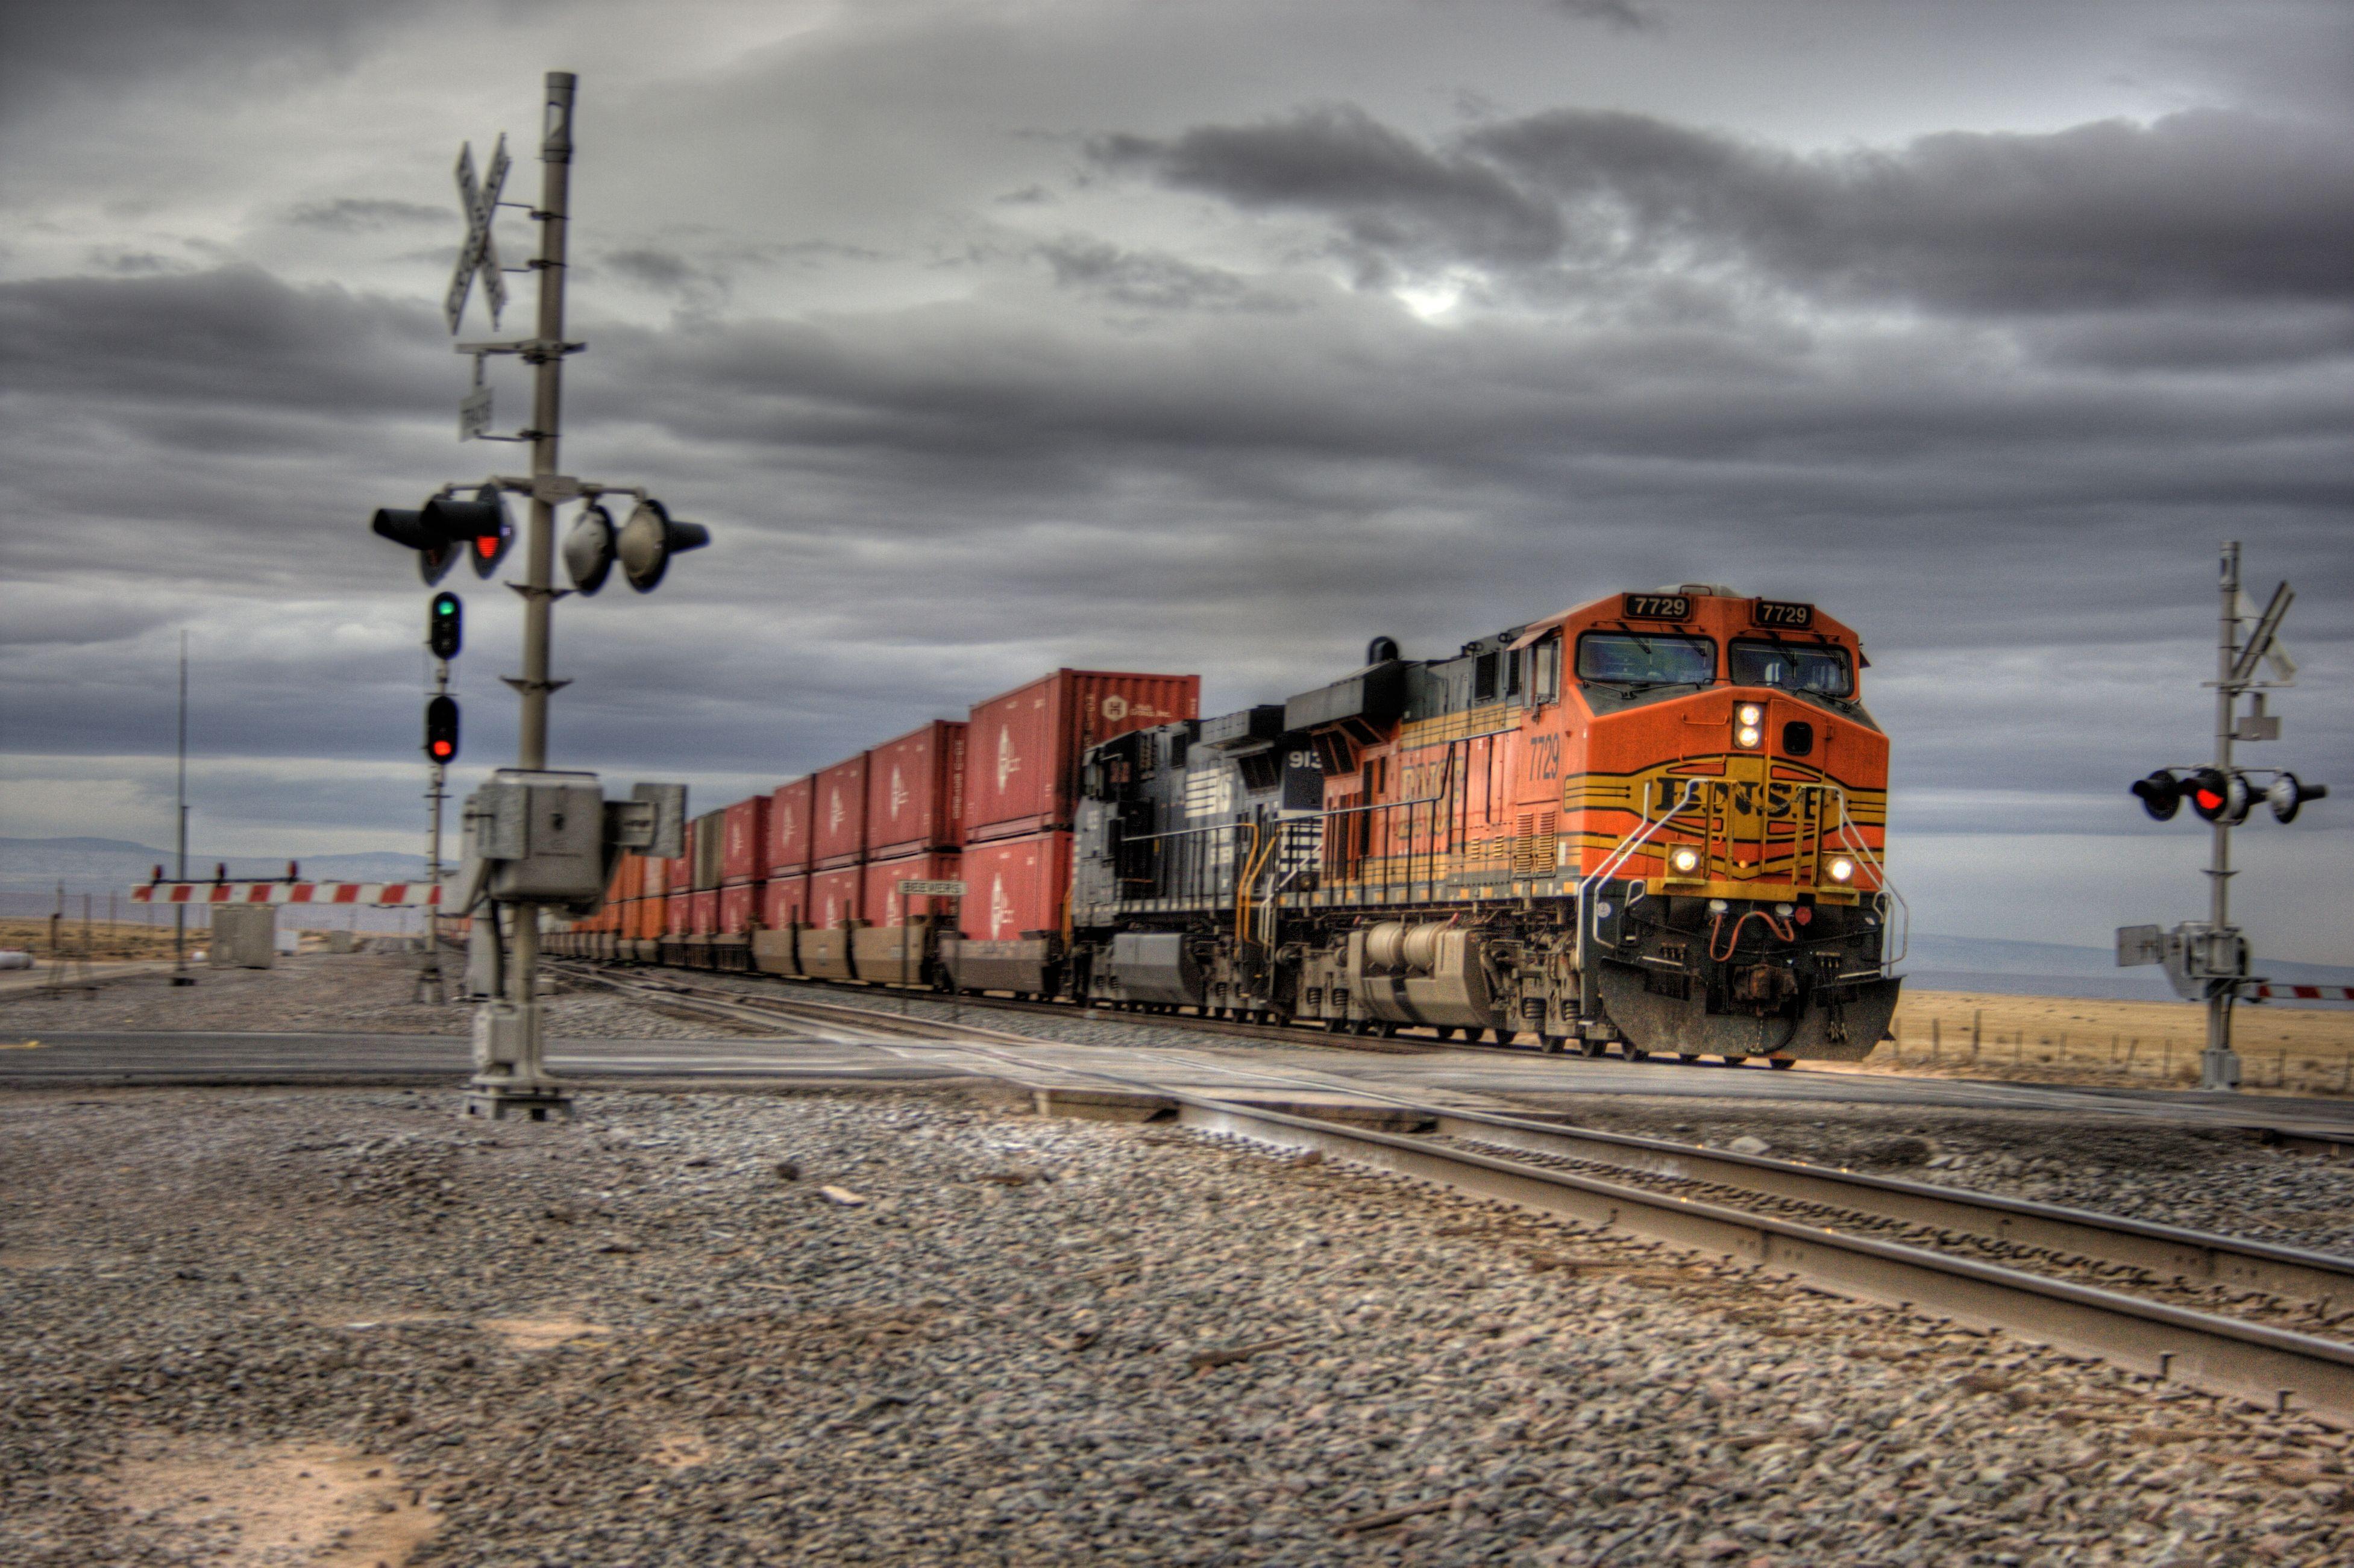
column 1888, row 889
column 1618, row 857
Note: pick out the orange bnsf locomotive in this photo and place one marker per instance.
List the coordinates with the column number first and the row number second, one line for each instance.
column 1656, row 820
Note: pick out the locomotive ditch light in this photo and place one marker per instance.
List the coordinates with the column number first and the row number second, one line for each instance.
column 2161, row 794
column 588, row 549
column 649, row 538
column 1841, row 868
column 1746, row 737
column 1750, row 713
column 1684, row 860
column 2287, row 792
column 2218, row 797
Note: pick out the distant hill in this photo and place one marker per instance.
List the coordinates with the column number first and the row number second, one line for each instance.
column 32, row 869
column 2053, row 969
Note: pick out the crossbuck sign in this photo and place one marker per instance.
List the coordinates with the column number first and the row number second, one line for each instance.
column 481, row 252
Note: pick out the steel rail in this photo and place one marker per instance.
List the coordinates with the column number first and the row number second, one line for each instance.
column 2173, row 1253
column 2275, row 1369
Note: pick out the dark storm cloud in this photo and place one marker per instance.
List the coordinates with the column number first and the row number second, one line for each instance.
column 1620, row 14
column 1158, row 282
column 227, row 340
column 360, row 215
column 54, row 49
column 1388, row 193
column 2200, row 205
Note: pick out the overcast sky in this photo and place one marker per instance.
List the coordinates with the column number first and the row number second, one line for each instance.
column 1202, row 336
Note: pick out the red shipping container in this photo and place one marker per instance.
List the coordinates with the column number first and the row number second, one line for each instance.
column 738, row 903
column 653, row 878
column 884, row 904
column 837, row 895
column 744, row 855
column 1022, row 751
column 680, row 876
column 644, row 921
column 915, row 791
column 678, row 914
column 784, row 903
column 838, row 836
column 789, row 826
column 704, row 915
column 1015, row 887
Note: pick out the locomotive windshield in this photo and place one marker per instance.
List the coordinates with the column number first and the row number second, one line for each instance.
column 1645, row 659
column 1824, row 671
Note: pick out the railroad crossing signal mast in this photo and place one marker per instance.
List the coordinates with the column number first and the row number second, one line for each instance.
column 535, row 840
column 2208, row 961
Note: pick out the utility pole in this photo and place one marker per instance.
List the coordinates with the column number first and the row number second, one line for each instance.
column 180, row 975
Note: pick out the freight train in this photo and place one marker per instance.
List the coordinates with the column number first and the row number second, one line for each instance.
column 1654, row 823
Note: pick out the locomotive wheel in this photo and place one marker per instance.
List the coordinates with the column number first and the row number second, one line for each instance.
column 1551, row 1044
column 1782, row 1064
column 1632, row 1053
column 1593, row 1048
column 1735, row 1061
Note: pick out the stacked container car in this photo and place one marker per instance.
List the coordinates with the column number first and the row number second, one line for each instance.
column 678, row 901
column 784, row 899
column 643, row 927
column 709, row 849
column 915, row 788
column 1023, row 753
column 743, row 867
column 837, row 891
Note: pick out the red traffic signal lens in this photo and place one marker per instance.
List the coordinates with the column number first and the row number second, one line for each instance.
column 441, row 729
column 2218, row 796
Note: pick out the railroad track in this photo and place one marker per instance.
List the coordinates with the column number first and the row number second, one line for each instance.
column 1395, row 1044
column 2184, row 1306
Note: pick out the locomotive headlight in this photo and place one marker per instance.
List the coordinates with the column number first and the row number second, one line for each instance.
column 1684, row 860
column 1746, row 737
column 1749, row 714
column 1841, row 868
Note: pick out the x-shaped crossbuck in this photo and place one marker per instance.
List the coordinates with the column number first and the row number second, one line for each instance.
column 481, row 253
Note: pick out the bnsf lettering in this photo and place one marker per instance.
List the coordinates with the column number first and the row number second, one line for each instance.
column 1659, row 607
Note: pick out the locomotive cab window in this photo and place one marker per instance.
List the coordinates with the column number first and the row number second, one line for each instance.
column 1645, row 659
column 1824, row 671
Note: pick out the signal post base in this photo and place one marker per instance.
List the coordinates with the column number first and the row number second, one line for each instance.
column 2218, row 1070
column 504, row 1099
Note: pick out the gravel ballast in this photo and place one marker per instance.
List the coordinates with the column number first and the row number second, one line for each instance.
column 2223, row 1180
column 321, row 993
column 925, row 1329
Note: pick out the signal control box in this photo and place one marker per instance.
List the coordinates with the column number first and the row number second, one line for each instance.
column 543, row 837
column 2199, row 958
column 542, row 834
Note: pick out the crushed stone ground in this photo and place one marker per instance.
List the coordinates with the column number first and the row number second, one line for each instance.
column 963, row 1335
